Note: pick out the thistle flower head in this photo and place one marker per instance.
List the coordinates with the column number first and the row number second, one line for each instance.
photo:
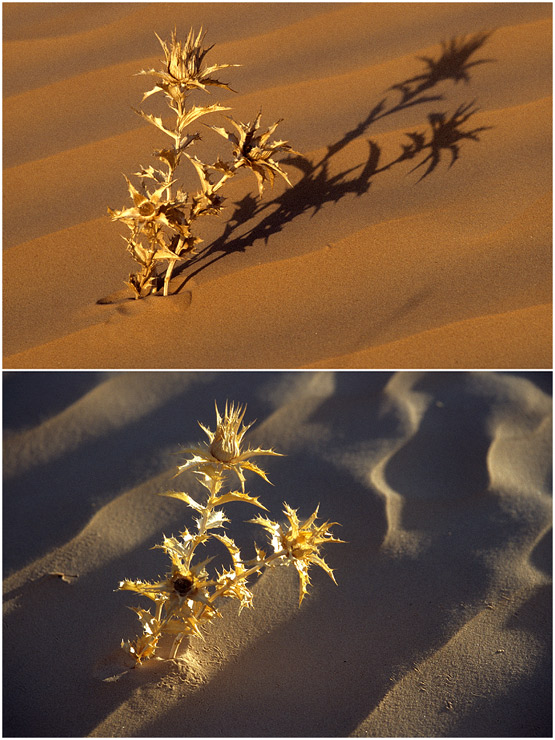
column 179, row 583
column 230, row 430
column 183, row 66
column 300, row 543
column 152, row 211
column 225, row 449
column 255, row 151
column 147, row 207
column 183, row 594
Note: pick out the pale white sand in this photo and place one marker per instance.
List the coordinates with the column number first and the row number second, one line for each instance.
column 441, row 621
column 357, row 266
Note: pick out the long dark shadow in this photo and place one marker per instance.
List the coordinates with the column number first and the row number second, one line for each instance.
column 317, row 187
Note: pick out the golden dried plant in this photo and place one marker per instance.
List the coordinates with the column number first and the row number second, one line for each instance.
column 225, row 449
column 188, row 596
column 161, row 218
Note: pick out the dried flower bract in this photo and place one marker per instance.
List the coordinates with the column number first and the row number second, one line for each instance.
column 225, row 450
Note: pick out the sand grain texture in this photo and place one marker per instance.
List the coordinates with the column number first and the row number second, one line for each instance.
column 441, row 620
column 359, row 264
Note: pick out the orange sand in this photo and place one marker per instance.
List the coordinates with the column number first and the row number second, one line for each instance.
column 354, row 266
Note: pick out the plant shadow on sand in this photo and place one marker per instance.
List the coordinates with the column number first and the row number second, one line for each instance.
column 317, row 186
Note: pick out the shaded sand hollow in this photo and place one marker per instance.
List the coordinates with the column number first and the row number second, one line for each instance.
column 361, row 263
column 441, row 620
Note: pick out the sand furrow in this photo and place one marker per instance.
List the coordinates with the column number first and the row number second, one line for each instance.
column 39, row 61
column 65, row 189
column 434, row 697
column 455, row 344
column 112, row 405
column 442, row 611
column 521, row 283
column 389, row 317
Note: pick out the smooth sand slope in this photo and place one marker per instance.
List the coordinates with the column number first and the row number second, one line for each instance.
column 361, row 263
column 441, row 620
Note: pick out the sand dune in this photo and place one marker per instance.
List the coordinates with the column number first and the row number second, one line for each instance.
column 359, row 259
column 439, row 624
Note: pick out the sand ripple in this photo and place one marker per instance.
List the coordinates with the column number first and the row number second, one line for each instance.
column 441, row 482
column 357, row 263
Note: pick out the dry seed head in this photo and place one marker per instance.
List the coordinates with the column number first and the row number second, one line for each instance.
column 183, row 67
column 225, row 449
column 301, row 543
column 226, row 443
column 254, row 150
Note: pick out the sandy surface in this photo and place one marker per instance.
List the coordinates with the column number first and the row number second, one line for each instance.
column 441, row 620
column 359, row 264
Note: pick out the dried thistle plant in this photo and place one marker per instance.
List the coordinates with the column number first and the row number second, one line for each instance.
column 188, row 596
column 162, row 214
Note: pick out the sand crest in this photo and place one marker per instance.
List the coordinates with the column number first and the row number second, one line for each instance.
column 440, row 623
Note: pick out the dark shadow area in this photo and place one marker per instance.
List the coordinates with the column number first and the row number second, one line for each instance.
column 317, row 187
column 86, row 626
column 433, row 463
column 543, row 380
column 453, row 64
column 23, row 401
column 533, row 716
column 446, row 133
column 541, row 556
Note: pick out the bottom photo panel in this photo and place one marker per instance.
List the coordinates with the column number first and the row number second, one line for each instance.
column 280, row 554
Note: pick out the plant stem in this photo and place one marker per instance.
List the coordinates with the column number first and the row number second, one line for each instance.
column 169, row 270
column 201, row 527
column 246, row 573
column 171, row 264
column 225, row 177
column 175, row 645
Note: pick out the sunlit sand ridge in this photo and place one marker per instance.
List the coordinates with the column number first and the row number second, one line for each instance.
column 439, row 624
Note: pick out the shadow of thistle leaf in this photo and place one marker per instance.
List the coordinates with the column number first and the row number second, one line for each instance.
column 446, row 135
column 316, row 187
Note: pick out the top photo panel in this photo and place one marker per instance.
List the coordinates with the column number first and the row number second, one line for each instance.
column 277, row 185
